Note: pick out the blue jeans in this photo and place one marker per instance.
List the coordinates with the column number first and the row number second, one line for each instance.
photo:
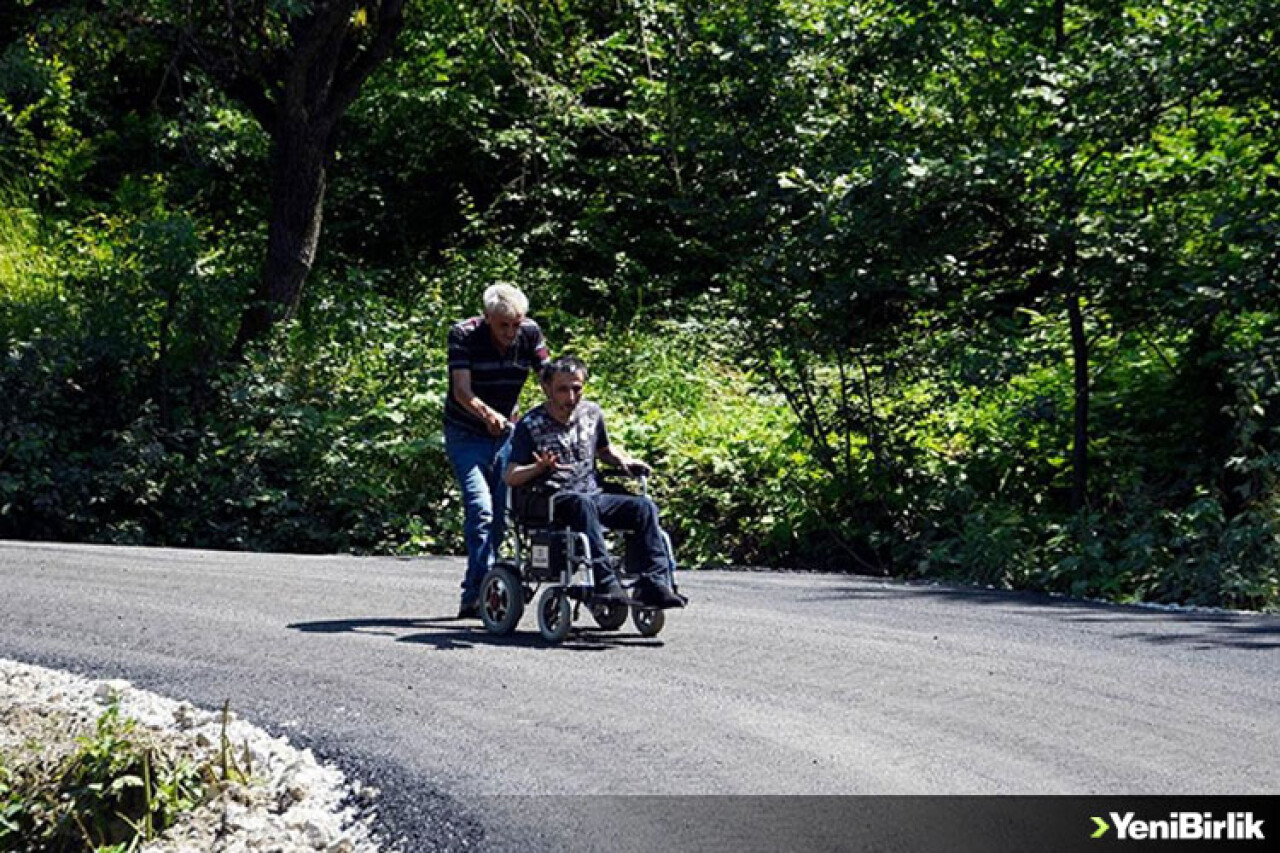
column 479, row 462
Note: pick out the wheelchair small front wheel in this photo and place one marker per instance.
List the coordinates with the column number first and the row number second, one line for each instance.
column 554, row 617
column 610, row 617
column 501, row 600
column 648, row 621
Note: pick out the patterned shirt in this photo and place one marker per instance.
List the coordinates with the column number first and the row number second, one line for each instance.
column 574, row 443
column 496, row 377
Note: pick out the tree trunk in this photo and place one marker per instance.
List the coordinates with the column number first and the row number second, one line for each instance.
column 1080, row 397
column 1070, row 274
column 298, row 177
column 330, row 58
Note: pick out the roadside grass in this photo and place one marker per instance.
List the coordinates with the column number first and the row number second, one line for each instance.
column 108, row 790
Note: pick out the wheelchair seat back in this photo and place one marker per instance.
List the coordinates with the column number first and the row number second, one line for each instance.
column 530, row 506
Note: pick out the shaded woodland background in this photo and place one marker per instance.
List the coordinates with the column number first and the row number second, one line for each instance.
column 983, row 291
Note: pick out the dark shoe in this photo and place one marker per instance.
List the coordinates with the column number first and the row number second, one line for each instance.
column 469, row 611
column 657, row 596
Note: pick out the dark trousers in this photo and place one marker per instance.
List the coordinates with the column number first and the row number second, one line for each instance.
column 593, row 514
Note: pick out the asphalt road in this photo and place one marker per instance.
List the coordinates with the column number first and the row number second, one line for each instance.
column 767, row 684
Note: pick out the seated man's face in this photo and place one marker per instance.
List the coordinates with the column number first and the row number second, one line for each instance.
column 564, row 392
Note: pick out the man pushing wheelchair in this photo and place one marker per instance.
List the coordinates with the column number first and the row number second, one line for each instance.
column 555, row 447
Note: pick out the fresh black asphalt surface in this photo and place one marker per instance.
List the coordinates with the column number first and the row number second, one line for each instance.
column 767, row 684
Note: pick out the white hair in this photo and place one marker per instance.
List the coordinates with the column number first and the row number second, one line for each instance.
column 505, row 300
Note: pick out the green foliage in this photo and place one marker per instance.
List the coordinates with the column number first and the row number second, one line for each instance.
column 30, row 294
column 110, row 339
column 38, row 137
column 333, row 440
column 1172, row 524
column 328, row 442
column 834, row 266
column 113, row 790
column 733, row 477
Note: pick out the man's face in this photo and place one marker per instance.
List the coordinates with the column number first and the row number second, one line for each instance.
column 564, row 392
column 504, row 328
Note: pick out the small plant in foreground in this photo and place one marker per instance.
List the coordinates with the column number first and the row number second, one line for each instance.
column 106, row 791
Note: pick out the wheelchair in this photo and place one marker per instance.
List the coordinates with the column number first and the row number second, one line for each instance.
column 551, row 557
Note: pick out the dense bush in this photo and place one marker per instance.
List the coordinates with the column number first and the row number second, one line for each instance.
column 329, row 440
column 980, row 292
column 733, row 477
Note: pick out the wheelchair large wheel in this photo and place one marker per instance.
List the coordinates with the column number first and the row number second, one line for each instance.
column 610, row 617
column 554, row 617
column 501, row 600
column 648, row 621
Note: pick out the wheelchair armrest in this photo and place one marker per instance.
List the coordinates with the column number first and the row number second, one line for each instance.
column 611, row 486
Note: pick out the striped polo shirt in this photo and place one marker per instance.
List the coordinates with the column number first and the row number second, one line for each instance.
column 496, row 377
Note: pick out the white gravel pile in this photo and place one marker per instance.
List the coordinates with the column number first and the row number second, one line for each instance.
column 290, row 803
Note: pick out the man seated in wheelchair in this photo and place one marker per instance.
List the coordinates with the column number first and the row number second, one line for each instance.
column 556, row 446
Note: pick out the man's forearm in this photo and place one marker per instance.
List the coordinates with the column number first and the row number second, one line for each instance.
column 472, row 403
column 616, row 456
column 469, row 400
column 520, row 475
column 624, row 460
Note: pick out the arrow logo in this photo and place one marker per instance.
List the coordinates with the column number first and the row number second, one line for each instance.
column 1102, row 828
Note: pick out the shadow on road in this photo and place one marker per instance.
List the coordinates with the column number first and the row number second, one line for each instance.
column 446, row 634
column 1200, row 629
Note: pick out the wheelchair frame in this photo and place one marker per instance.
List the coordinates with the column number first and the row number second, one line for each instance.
column 553, row 556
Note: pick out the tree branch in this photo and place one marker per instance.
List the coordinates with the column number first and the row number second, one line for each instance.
column 390, row 21
column 308, row 76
